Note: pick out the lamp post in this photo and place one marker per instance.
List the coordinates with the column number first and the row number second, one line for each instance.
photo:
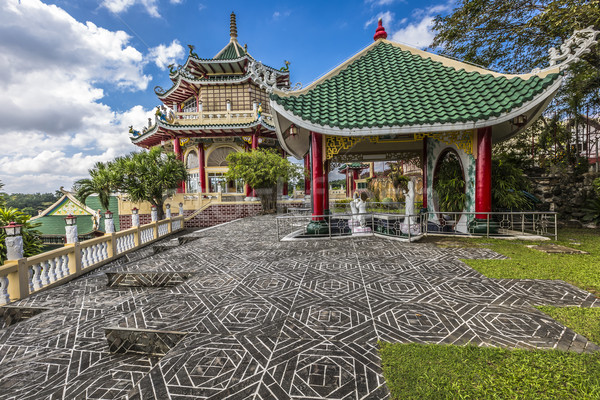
column 153, row 214
column 109, row 223
column 71, row 229
column 168, row 211
column 135, row 217
column 181, row 209
column 14, row 241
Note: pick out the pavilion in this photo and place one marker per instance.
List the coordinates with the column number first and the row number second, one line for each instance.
column 390, row 99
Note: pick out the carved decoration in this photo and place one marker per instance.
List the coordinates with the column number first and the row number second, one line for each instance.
column 262, row 76
column 335, row 144
column 159, row 90
column 463, row 140
column 574, row 47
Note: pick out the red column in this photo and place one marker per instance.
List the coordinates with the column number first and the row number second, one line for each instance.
column 201, row 170
column 307, row 178
column 325, row 185
column 317, row 174
column 483, row 179
column 355, row 177
column 424, row 162
column 348, row 191
column 177, row 151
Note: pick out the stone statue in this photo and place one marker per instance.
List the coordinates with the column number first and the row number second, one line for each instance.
column 354, row 209
column 362, row 209
column 409, row 197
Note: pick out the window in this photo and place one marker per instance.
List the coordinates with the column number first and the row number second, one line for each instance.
column 192, row 185
column 218, row 183
column 190, row 105
column 192, row 160
column 217, row 157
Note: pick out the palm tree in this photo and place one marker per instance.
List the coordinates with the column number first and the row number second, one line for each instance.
column 102, row 181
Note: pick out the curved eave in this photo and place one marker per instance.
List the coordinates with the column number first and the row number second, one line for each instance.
column 284, row 118
column 164, row 131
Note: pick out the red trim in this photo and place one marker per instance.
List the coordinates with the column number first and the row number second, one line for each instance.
column 307, row 178
column 483, row 179
column 317, row 174
column 355, row 177
column 201, row 170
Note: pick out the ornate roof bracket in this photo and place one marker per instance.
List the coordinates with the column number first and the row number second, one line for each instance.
column 262, row 76
column 573, row 48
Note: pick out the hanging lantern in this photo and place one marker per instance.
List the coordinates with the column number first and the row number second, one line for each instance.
column 12, row 229
column 70, row 220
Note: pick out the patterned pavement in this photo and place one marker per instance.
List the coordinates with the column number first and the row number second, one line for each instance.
column 234, row 314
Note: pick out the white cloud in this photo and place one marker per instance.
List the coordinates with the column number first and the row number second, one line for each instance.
column 281, row 14
column 176, row 1
column 54, row 124
column 163, row 55
column 382, row 2
column 119, row 6
column 386, row 18
column 417, row 34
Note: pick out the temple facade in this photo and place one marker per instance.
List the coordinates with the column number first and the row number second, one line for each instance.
column 214, row 107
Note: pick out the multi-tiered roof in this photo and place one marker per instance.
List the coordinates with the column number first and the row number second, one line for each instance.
column 230, row 93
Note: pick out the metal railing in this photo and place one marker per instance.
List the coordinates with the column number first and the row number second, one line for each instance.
column 23, row 277
column 373, row 207
column 293, row 226
column 491, row 224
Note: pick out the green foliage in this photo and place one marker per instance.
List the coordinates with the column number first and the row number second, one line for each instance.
column 508, row 184
column 148, row 176
column 592, row 210
column 31, row 203
column 387, row 200
column 102, row 181
column 32, row 243
column 596, row 185
column 416, row 371
column 2, row 196
column 449, row 184
column 262, row 169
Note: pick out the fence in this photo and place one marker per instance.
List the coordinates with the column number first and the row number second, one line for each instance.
column 23, row 277
column 491, row 224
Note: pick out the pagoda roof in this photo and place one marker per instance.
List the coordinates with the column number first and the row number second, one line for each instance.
column 393, row 89
column 232, row 51
column 356, row 165
column 163, row 131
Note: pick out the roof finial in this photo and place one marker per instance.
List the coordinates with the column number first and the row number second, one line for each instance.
column 380, row 32
column 233, row 26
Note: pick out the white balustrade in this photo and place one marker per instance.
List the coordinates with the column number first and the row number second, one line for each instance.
column 55, row 266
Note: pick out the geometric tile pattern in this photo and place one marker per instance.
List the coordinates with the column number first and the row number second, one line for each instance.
column 146, row 279
column 123, row 340
column 10, row 315
column 265, row 319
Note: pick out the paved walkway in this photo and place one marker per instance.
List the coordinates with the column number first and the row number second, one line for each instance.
column 269, row 320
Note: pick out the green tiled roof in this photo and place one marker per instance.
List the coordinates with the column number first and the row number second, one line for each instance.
column 355, row 165
column 93, row 202
column 55, row 225
column 390, row 86
column 229, row 53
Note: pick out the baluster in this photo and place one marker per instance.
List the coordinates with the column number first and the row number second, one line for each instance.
column 45, row 272
column 35, row 279
column 65, row 264
column 51, row 264
column 59, row 267
column 4, row 297
column 84, row 257
column 104, row 250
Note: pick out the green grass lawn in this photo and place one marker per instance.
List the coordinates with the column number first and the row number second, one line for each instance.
column 466, row 372
column 414, row 371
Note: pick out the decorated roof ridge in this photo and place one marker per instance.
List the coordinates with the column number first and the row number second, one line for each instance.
column 355, row 165
column 233, row 49
column 150, row 132
column 69, row 196
column 380, row 32
column 448, row 62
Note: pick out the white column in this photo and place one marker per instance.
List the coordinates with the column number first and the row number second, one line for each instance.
column 14, row 247
column 71, row 232
column 109, row 225
column 154, row 214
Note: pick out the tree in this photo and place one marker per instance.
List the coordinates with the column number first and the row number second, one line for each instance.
column 2, row 199
column 262, row 169
column 508, row 185
column 148, row 176
column 102, row 181
column 515, row 35
column 32, row 243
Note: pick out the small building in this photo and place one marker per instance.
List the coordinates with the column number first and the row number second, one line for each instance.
column 90, row 217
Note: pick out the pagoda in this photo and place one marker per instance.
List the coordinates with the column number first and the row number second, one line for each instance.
column 391, row 99
column 215, row 106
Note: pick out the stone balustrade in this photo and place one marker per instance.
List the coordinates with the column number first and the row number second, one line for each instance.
column 23, row 277
column 219, row 117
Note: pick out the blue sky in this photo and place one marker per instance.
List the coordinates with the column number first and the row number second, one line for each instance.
column 76, row 73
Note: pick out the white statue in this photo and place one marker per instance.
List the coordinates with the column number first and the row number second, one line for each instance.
column 362, row 209
column 354, row 209
column 409, row 220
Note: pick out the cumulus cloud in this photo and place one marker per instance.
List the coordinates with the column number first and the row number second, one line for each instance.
column 386, row 18
column 383, row 2
column 119, row 6
column 163, row 55
column 417, row 34
column 281, row 14
column 54, row 124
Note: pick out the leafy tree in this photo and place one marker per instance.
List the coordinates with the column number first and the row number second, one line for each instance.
column 102, row 181
column 2, row 199
column 449, row 184
column 515, row 35
column 262, row 169
column 508, row 184
column 148, row 176
column 32, row 243
column 30, row 203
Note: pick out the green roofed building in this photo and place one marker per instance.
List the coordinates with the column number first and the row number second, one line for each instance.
column 391, row 99
column 90, row 217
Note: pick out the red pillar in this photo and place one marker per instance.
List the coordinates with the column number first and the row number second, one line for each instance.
column 355, row 177
column 483, row 179
column 325, row 185
column 177, row 151
column 424, row 162
column 348, row 191
column 201, row 170
column 317, row 174
column 307, row 178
